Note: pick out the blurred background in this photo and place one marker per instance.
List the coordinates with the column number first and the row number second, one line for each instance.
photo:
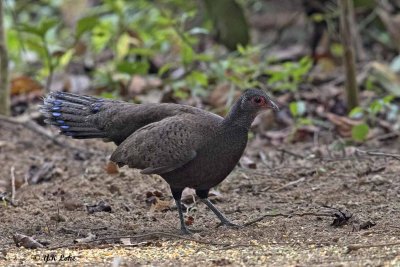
column 204, row 52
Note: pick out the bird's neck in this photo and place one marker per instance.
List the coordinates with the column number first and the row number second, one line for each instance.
column 237, row 117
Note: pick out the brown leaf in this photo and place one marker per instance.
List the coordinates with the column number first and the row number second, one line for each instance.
column 72, row 204
column 151, row 197
column 343, row 124
column 189, row 220
column 26, row 241
column 23, row 85
column 160, row 205
column 112, row 168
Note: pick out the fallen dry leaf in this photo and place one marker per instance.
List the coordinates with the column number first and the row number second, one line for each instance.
column 23, row 85
column 189, row 220
column 343, row 124
column 160, row 205
column 112, row 168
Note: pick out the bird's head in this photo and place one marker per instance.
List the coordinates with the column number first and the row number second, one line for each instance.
column 255, row 100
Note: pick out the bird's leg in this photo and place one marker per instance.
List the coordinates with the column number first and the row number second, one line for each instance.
column 177, row 194
column 203, row 195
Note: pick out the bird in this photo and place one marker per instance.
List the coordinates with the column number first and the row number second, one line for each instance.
column 187, row 146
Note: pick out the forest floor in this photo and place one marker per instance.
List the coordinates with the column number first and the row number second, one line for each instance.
column 299, row 197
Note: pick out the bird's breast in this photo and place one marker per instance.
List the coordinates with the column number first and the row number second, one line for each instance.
column 214, row 161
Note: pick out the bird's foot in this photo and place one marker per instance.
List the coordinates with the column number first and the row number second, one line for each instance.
column 229, row 224
column 186, row 231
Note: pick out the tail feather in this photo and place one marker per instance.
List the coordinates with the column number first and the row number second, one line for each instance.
column 72, row 114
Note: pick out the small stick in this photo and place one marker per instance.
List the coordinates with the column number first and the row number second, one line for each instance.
column 291, row 153
column 27, row 122
column 12, row 184
column 149, row 235
column 288, row 215
column 302, row 179
column 359, row 246
column 377, row 153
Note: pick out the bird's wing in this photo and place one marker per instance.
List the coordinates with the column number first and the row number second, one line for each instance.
column 90, row 117
column 166, row 145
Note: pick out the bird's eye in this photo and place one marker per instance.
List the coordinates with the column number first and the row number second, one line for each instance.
column 257, row 100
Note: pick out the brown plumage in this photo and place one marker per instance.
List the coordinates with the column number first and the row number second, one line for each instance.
column 187, row 146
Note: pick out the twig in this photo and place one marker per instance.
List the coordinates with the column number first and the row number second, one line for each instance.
column 377, row 153
column 302, row 179
column 27, row 122
column 291, row 153
column 150, row 235
column 359, row 246
column 288, row 216
column 228, row 247
column 12, row 184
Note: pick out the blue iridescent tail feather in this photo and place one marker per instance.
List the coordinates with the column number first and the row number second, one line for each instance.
column 71, row 114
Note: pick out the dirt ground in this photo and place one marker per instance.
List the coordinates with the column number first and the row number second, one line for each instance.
column 54, row 212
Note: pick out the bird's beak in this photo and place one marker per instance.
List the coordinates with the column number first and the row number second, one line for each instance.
column 271, row 104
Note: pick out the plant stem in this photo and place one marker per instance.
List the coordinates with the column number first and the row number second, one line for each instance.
column 4, row 86
column 346, row 17
column 49, row 65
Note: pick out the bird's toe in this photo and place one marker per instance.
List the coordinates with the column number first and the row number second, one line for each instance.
column 229, row 224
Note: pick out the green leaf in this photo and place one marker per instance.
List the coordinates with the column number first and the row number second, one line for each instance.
column 187, row 54
column 388, row 99
column 360, row 132
column 376, row 107
column 85, row 24
column 196, row 77
column 35, row 44
column 47, row 24
column 297, row 108
column 140, row 67
column 166, row 67
column 337, row 49
column 181, row 94
column 66, row 57
column 356, row 113
column 101, row 35
column 142, row 51
column 40, row 30
column 123, row 44
column 30, row 29
column 305, row 121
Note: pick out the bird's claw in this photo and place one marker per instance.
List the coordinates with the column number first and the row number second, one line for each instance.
column 185, row 231
column 229, row 224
